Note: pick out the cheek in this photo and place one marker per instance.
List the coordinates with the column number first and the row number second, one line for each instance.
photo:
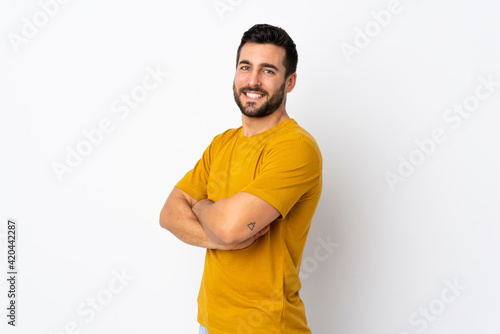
column 242, row 81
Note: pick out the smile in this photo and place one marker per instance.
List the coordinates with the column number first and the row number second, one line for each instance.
column 253, row 95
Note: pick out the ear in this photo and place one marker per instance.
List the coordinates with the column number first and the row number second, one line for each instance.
column 290, row 82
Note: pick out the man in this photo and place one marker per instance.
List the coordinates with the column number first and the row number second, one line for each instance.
column 250, row 199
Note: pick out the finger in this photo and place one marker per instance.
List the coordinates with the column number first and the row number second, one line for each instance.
column 261, row 233
column 264, row 230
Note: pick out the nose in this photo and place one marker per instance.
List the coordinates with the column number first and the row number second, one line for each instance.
column 253, row 79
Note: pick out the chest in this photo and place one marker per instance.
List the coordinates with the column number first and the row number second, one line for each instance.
column 234, row 166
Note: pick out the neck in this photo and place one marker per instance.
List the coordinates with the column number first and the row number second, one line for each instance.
column 253, row 126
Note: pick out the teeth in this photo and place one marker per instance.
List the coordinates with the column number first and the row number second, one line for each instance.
column 253, row 96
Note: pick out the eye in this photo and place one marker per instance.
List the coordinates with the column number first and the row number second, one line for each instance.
column 245, row 68
column 269, row 71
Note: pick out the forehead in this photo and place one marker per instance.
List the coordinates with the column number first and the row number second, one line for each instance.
column 257, row 54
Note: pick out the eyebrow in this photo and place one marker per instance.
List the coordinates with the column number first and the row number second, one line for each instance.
column 261, row 65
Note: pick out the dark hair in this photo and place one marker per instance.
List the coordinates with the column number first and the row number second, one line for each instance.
column 268, row 34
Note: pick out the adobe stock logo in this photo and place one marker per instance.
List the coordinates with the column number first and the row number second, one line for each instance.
column 321, row 253
column 221, row 7
column 97, row 303
column 254, row 319
column 454, row 117
column 429, row 313
column 94, row 137
column 363, row 37
column 31, row 27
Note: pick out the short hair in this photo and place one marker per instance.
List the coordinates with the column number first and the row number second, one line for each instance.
column 268, row 34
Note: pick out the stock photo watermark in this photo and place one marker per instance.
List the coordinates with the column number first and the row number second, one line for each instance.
column 222, row 7
column 364, row 36
column 454, row 118
column 429, row 313
column 121, row 107
column 12, row 272
column 30, row 27
column 321, row 253
column 256, row 318
column 88, row 310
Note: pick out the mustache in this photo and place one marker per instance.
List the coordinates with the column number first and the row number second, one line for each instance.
column 253, row 89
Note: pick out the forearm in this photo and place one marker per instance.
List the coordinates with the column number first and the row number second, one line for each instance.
column 229, row 221
column 177, row 216
column 181, row 216
column 209, row 214
column 211, row 217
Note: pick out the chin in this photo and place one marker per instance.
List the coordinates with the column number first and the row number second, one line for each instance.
column 257, row 113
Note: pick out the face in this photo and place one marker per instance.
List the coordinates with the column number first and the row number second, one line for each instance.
column 260, row 85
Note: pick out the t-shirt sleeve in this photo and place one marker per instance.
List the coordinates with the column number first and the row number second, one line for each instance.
column 290, row 170
column 194, row 183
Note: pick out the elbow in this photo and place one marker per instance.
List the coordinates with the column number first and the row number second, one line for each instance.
column 228, row 239
column 229, row 235
column 165, row 219
column 225, row 226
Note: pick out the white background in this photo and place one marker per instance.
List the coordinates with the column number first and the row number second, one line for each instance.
column 398, row 246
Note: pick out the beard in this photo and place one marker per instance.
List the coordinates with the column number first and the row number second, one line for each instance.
column 269, row 107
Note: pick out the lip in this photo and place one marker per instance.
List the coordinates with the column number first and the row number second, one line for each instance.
column 253, row 93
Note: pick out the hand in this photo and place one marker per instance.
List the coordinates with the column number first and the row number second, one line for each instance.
column 200, row 205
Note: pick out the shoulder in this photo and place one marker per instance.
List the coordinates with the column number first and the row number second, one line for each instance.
column 293, row 148
column 296, row 138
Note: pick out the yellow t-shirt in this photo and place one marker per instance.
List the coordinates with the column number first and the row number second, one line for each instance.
column 256, row 290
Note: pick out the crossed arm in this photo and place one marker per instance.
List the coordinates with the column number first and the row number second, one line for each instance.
column 231, row 223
